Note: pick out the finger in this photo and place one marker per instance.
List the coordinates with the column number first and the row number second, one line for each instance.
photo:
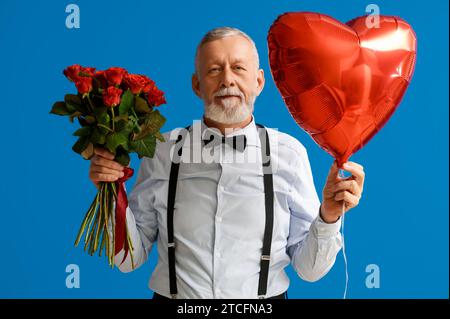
column 104, row 153
column 347, row 185
column 106, row 170
column 102, row 177
column 347, row 197
column 357, row 172
column 333, row 173
column 100, row 161
column 354, row 164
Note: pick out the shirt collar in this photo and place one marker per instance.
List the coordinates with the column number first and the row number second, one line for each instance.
column 250, row 131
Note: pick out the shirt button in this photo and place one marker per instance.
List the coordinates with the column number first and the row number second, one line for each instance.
column 219, row 255
column 219, row 219
column 219, row 291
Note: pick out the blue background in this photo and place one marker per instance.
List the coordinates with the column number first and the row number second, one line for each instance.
column 401, row 223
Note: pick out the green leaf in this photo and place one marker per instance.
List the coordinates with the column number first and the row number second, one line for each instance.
column 123, row 117
column 74, row 103
column 122, row 157
column 98, row 136
column 104, row 129
column 74, row 115
column 125, row 127
column 135, row 121
column 159, row 137
column 59, row 108
column 120, row 125
column 114, row 140
column 141, row 105
column 152, row 124
column 102, row 116
column 81, row 144
column 90, row 119
column 144, row 147
column 126, row 102
column 88, row 151
column 84, row 131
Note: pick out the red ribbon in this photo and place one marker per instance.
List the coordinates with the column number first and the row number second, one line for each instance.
column 121, row 241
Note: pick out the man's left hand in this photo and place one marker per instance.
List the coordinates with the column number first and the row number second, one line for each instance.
column 338, row 189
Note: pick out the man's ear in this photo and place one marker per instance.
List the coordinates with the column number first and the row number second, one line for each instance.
column 196, row 85
column 261, row 80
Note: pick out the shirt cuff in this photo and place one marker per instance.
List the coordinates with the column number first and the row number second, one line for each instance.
column 323, row 229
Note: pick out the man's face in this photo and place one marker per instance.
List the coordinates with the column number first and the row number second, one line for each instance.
column 227, row 79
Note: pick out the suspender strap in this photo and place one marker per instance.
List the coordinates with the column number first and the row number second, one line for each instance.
column 268, row 192
column 175, row 166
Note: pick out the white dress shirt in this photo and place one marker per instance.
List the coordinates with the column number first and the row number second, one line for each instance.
column 219, row 217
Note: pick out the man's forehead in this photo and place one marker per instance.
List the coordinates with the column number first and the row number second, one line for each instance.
column 235, row 47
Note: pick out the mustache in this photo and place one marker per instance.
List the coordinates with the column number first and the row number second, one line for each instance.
column 229, row 91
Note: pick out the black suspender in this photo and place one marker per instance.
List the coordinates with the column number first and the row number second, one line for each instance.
column 268, row 194
column 170, row 206
column 268, row 191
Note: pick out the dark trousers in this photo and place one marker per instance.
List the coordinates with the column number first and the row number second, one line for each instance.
column 281, row 296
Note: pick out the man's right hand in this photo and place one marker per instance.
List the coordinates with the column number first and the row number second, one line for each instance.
column 103, row 167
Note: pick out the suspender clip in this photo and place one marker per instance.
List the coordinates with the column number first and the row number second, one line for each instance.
column 265, row 257
column 171, row 245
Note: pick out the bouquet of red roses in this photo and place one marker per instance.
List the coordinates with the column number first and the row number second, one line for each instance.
column 116, row 111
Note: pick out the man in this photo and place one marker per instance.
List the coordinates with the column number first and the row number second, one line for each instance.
column 227, row 212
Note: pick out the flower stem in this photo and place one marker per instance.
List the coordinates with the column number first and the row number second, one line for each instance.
column 134, row 112
column 89, row 228
column 112, row 112
column 99, row 227
column 103, row 242
column 89, row 241
column 113, row 223
column 130, row 246
column 104, row 126
column 90, row 231
column 90, row 103
column 87, row 217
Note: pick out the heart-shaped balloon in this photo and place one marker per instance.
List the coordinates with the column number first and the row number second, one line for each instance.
column 341, row 82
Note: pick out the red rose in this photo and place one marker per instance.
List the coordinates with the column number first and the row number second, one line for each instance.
column 149, row 85
column 74, row 72
column 87, row 71
column 111, row 96
column 83, row 84
column 115, row 75
column 156, row 97
column 71, row 72
column 101, row 78
column 134, row 82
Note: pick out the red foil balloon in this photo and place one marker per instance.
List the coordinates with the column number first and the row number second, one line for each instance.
column 341, row 82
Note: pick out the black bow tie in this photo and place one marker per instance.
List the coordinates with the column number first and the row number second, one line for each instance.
column 238, row 142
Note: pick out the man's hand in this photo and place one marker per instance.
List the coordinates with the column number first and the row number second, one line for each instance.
column 103, row 167
column 338, row 189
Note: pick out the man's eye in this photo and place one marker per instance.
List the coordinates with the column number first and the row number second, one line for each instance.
column 213, row 70
column 239, row 67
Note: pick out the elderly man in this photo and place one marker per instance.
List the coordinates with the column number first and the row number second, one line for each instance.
column 227, row 227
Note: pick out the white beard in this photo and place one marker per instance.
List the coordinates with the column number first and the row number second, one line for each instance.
column 230, row 111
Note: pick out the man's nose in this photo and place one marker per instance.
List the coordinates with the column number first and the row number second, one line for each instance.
column 228, row 78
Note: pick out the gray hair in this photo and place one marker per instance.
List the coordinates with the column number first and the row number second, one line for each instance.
column 222, row 32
